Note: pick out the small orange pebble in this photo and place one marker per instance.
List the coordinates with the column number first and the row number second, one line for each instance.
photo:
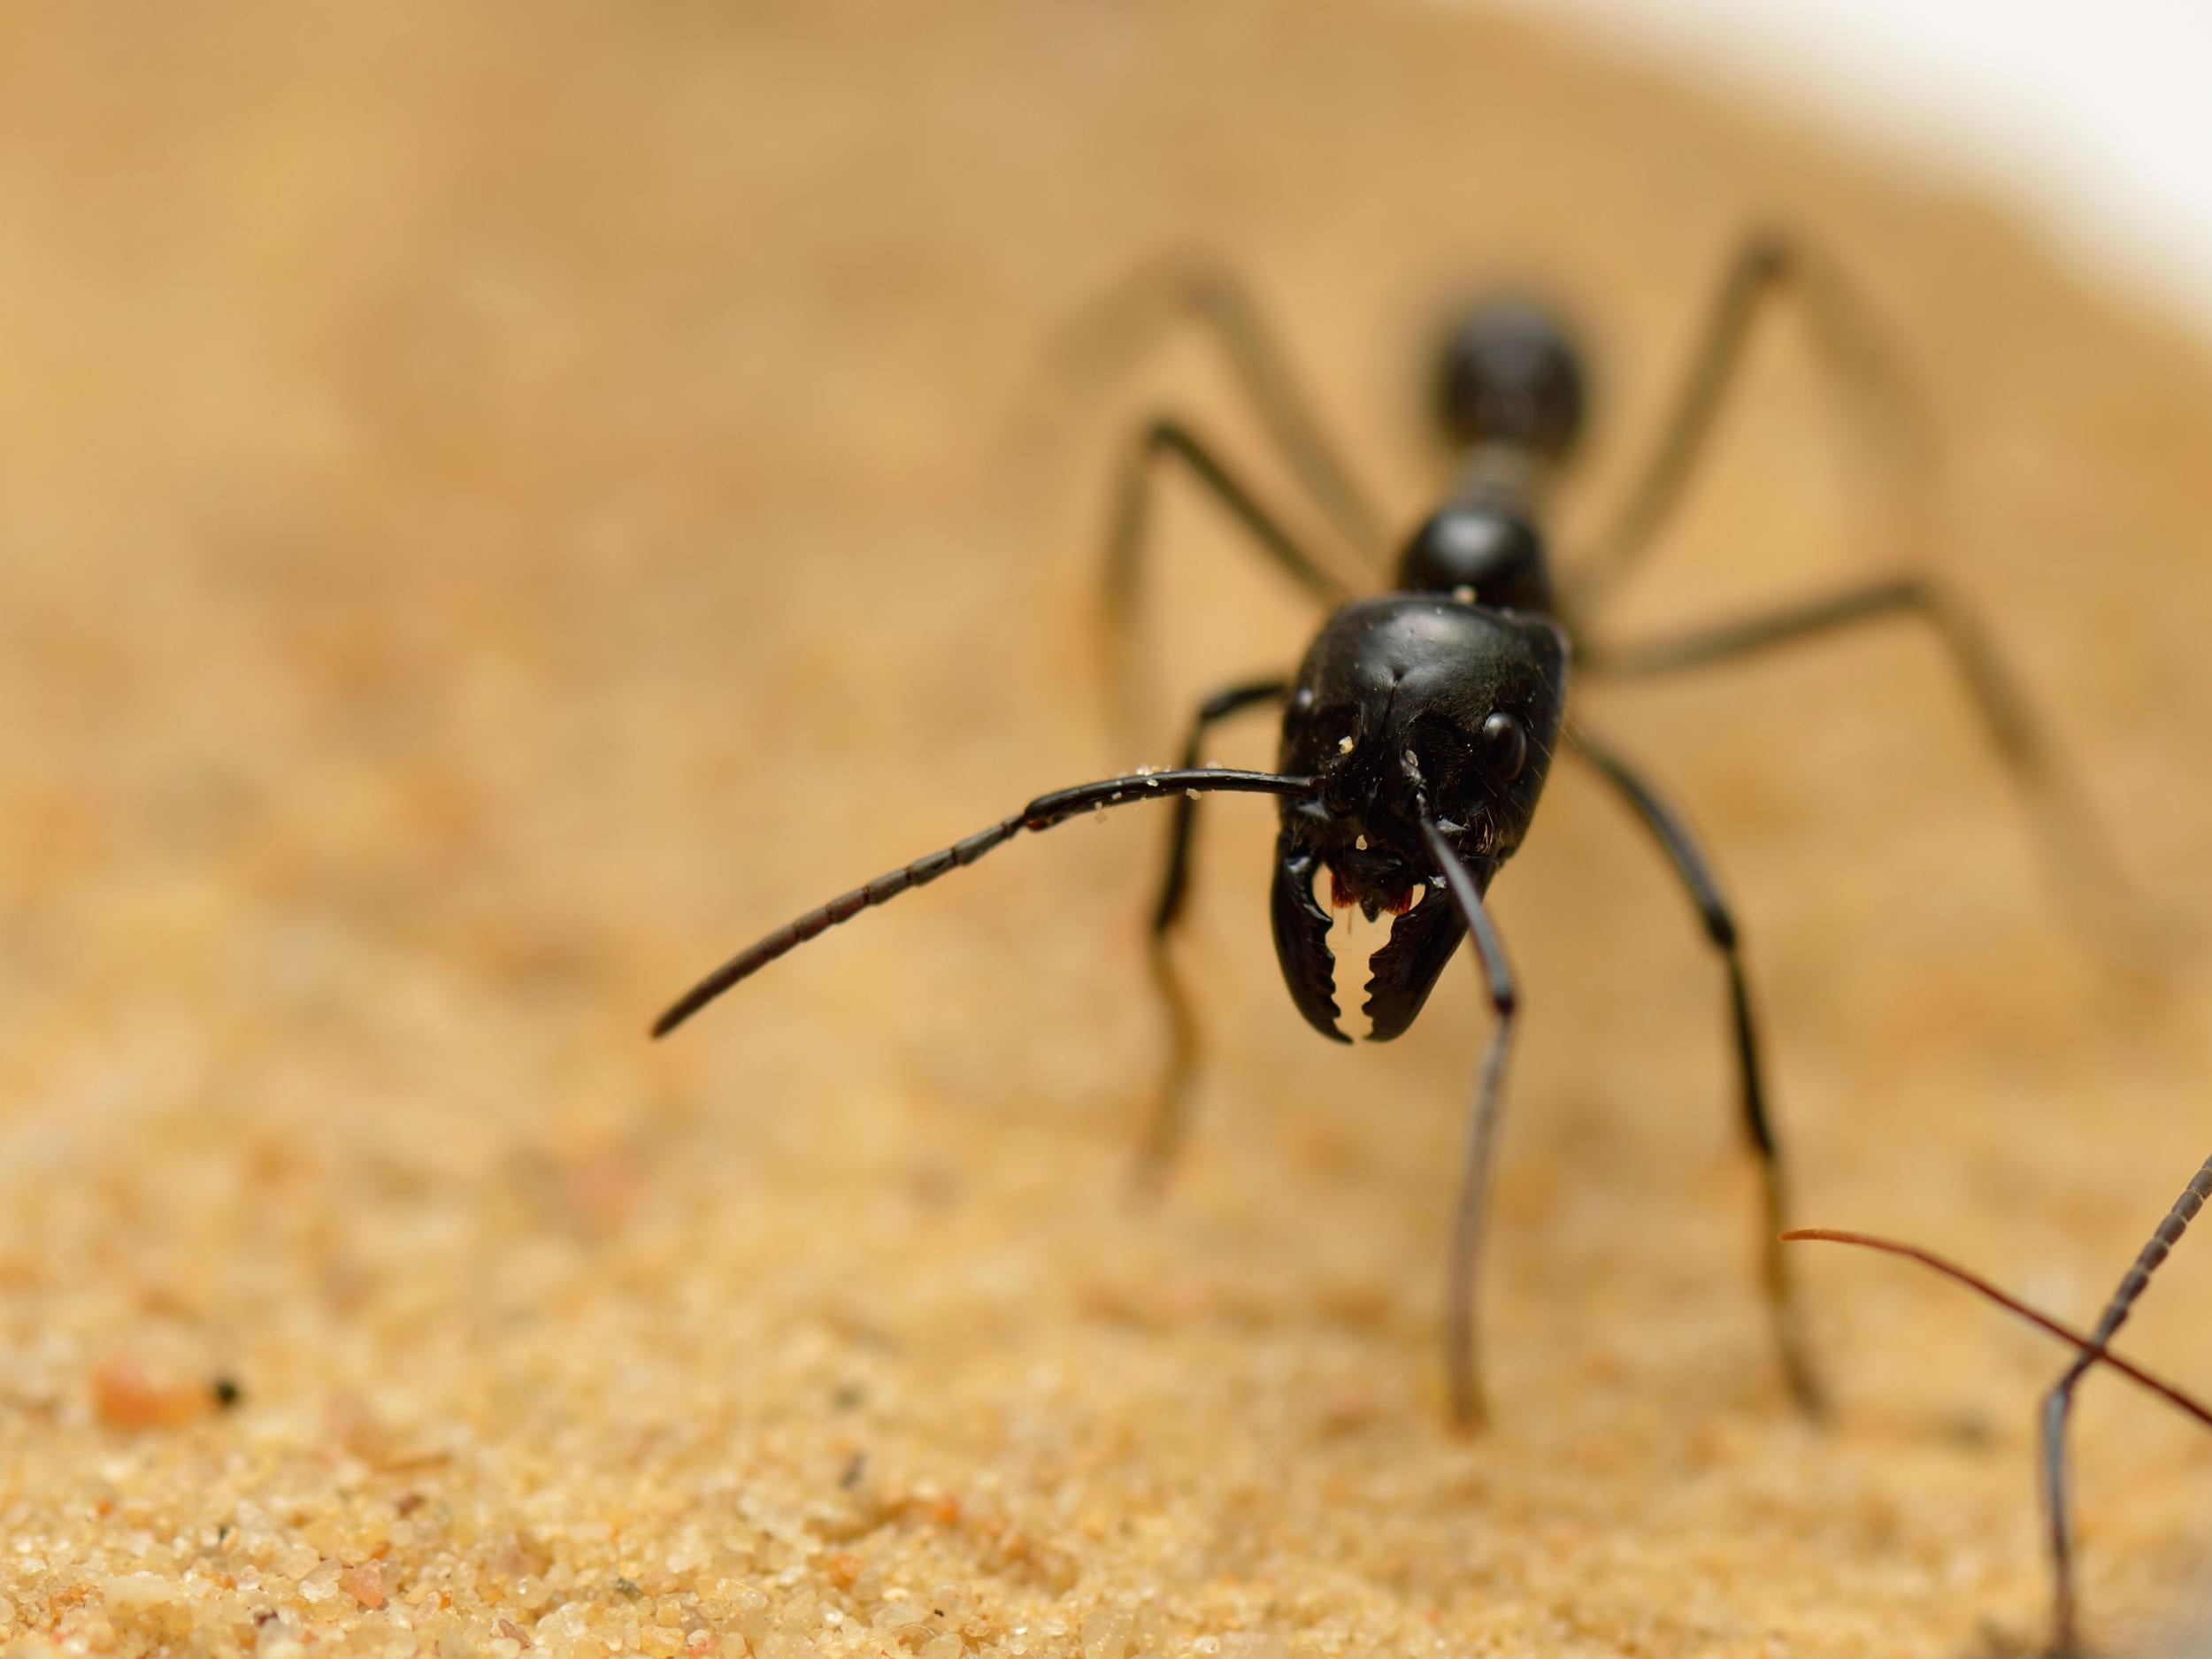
column 596, row 1190
column 945, row 1511
column 126, row 1397
column 1345, row 1411
column 365, row 1583
column 352, row 1423
column 843, row 1568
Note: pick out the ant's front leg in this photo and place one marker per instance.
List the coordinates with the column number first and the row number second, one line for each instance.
column 1674, row 837
column 1169, row 442
column 1171, row 1112
column 1462, row 1278
column 2073, row 843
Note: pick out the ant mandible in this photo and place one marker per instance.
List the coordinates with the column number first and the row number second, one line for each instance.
column 1418, row 731
column 2091, row 1347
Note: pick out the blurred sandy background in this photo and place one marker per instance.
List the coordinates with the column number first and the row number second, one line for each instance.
column 497, row 510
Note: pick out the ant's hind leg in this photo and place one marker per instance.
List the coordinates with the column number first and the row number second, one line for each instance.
column 1887, row 425
column 2073, row 843
column 1170, row 1112
column 1674, row 838
column 1188, row 287
column 1169, row 442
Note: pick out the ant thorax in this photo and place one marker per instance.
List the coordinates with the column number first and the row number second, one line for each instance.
column 1482, row 550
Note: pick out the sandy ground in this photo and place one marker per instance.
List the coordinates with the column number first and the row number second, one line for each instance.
column 495, row 513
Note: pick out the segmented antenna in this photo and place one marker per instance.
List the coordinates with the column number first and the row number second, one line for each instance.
column 1040, row 814
column 2090, row 1351
column 2081, row 1341
column 2058, row 1405
column 2152, row 1256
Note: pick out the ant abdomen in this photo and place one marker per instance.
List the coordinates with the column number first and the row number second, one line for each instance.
column 1510, row 376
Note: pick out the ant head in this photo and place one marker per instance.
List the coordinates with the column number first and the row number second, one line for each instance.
column 1479, row 549
column 1507, row 373
column 1406, row 708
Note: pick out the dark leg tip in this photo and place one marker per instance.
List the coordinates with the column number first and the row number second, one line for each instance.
column 1462, row 1374
column 1808, row 1393
column 1470, row 1413
column 1811, row 1396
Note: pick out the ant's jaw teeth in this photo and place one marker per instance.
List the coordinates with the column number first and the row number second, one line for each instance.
column 1372, row 896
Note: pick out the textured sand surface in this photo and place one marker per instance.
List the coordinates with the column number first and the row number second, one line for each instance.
column 494, row 513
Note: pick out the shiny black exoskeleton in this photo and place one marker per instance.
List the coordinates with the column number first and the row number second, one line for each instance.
column 1418, row 731
column 1410, row 709
column 1508, row 377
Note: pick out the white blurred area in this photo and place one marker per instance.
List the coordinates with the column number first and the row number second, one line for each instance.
column 2096, row 116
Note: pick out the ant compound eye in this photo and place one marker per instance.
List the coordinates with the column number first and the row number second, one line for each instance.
column 1504, row 746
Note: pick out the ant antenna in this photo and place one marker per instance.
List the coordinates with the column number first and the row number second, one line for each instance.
column 1040, row 814
column 2091, row 1349
column 1461, row 1340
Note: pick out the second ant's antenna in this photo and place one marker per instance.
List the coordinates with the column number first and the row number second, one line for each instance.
column 2091, row 1349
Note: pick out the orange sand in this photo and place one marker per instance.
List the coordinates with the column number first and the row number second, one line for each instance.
column 499, row 506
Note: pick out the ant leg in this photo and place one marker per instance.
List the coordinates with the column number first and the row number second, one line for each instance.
column 1720, row 928
column 1193, row 286
column 1462, row 1351
column 1166, row 440
column 2057, row 806
column 1169, row 439
column 1887, row 418
column 2059, row 1404
column 1171, row 1112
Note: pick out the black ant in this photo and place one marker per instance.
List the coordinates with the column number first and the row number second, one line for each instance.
column 2092, row 1349
column 1418, row 731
